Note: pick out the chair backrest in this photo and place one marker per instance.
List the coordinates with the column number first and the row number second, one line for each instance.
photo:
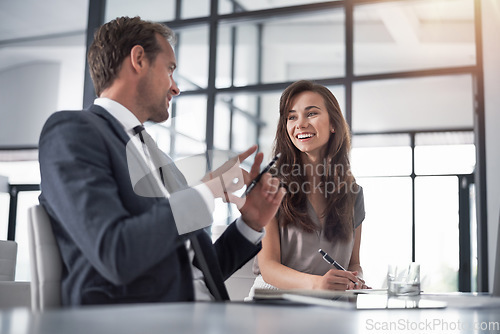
column 8, row 257
column 45, row 261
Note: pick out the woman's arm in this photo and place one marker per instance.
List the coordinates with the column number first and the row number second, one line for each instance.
column 284, row 277
column 273, row 272
column 354, row 263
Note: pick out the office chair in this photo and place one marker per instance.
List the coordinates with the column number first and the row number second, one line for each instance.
column 45, row 261
column 8, row 257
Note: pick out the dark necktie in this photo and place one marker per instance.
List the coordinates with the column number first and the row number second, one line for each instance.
column 170, row 176
column 201, row 263
column 152, row 149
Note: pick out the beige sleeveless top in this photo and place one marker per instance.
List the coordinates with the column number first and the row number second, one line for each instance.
column 299, row 249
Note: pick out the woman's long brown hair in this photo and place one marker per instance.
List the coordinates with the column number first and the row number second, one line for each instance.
column 337, row 182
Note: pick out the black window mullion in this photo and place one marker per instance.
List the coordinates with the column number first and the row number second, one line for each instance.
column 413, row 206
column 97, row 11
column 258, row 123
column 231, row 101
column 464, row 271
column 178, row 6
column 349, row 59
column 211, row 90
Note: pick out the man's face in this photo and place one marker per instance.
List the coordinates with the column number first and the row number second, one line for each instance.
column 156, row 89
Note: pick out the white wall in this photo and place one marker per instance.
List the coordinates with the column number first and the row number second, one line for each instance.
column 28, row 96
column 491, row 58
column 37, row 78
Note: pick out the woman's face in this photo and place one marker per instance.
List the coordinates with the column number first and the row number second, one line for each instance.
column 308, row 124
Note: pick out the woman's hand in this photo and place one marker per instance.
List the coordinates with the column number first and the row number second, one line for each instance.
column 361, row 282
column 336, row 279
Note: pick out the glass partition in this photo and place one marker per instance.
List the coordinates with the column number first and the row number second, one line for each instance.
column 282, row 49
column 387, row 228
column 195, row 8
column 242, row 120
column 445, row 153
column 192, row 58
column 381, row 155
column 436, row 232
column 425, row 103
column 412, row 35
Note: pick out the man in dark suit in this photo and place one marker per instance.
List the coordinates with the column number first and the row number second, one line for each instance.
column 118, row 246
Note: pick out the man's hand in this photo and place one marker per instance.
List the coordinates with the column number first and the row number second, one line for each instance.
column 229, row 177
column 261, row 205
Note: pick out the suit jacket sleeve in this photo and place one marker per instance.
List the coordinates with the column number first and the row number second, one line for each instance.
column 234, row 250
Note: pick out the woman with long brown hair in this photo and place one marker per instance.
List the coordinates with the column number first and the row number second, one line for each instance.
column 323, row 207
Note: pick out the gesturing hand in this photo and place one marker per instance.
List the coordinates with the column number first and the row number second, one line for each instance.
column 261, row 205
column 229, row 177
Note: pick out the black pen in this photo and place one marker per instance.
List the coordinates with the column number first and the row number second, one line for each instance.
column 331, row 261
column 265, row 170
column 337, row 265
column 328, row 259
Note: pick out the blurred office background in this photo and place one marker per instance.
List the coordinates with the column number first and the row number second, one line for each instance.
column 417, row 80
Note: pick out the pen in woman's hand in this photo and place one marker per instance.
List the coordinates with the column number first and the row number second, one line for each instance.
column 334, row 263
column 328, row 259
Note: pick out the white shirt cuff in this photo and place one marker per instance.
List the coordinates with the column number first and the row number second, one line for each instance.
column 207, row 195
column 252, row 235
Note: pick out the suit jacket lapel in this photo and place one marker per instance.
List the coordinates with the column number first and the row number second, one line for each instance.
column 115, row 126
column 173, row 176
column 143, row 182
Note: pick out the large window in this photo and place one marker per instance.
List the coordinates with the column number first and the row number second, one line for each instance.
column 412, row 195
column 423, row 103
column 399, row 36
column 286, row 48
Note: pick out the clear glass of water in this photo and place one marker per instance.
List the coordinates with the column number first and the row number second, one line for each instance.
column 403, row 279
